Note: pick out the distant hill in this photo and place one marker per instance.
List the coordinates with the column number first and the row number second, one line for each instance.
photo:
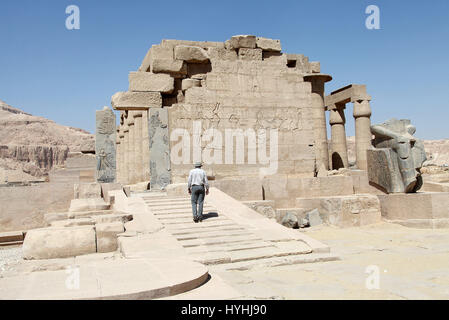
column 32, row 145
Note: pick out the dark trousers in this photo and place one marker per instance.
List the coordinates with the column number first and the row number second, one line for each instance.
column 197, row 198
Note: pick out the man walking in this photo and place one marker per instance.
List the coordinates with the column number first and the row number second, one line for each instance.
column 198, row 188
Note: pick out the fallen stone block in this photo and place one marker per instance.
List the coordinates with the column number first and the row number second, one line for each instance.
column 150, row 82
column 107, row 236
column 242, row 41
column 300, row 213
column 136, row 100
column 344, row 211
column 87, row 190
column 78, row 205
column 52, row 243
column 250, row 54
column 268, row 44
column 264, row 207
column 290, row 221
column 313, row 218
column 191, row 54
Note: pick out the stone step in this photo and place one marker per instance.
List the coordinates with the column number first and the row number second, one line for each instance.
column 248, row 254
column 190, row 220
column 164, row 213
column 212, row 234
column 10, row 243
column 175, row 206
column 200, row 226
column 230, row 247
column 180, row 210
column 167, row 217
column 187, row 231
column 277, row 261
column 217, row 241
column 164, row 199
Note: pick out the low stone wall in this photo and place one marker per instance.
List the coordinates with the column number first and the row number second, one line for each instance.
column 23, row 208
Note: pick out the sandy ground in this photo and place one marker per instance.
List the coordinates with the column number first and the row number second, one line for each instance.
column 382, row 261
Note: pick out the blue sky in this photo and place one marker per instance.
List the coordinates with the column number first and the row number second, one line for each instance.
column 65, row 75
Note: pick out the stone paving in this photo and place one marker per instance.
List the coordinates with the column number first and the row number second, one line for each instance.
column 412, row 264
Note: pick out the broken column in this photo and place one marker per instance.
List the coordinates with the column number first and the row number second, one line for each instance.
column 339, row 155
column 131, row 152
column 105, row 152
column 318, row 80
column 118, row 154
column 362, row 114
column 145, row 147
column 126, row 153
column 121, row 160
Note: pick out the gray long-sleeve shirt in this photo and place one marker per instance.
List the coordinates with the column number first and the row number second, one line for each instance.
column 198, row 177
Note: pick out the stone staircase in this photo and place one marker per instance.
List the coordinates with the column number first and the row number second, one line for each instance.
column 219, row 239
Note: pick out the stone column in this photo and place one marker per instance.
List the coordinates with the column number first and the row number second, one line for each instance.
column 131, row 145
column 122, row 154
column 126, row 154
column 138, row 146
column 319, row 117
column 145, row 147
column 337, row 121
column 362, row 114
column 118, row 155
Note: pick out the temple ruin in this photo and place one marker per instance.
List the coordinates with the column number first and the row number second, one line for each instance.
column 256, row 118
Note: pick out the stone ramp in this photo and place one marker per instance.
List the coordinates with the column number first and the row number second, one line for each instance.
column 225, row 235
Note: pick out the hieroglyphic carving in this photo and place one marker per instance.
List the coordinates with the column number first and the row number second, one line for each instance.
column 105, row 145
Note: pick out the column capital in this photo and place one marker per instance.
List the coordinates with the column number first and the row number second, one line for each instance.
column 337, row 116
column 362, row 109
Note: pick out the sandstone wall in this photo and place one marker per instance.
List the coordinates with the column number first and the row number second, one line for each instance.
column 23, row 208
column 242, row 107
column 244, row 88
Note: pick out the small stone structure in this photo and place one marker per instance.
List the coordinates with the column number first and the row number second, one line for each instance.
column 395, row 163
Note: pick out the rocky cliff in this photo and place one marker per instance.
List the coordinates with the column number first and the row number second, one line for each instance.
column 34, row 145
